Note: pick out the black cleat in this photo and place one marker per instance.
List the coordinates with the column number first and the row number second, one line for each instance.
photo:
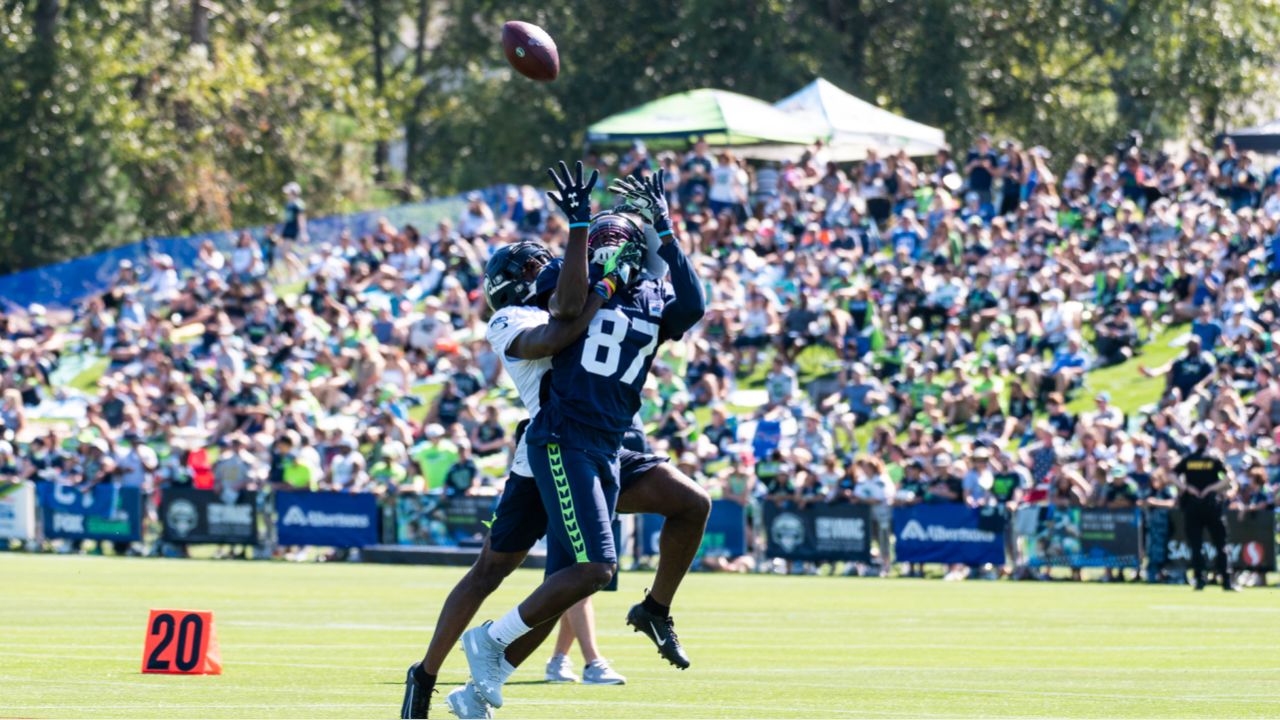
column 662, row 631
column 417, row 698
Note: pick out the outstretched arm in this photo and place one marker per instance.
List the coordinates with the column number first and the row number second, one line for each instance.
column 574, row 199
column 649, row 196
column 689, row 304
column 548, row 339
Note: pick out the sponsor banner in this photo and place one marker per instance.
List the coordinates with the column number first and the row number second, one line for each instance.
column 326, row 518
column 103, row 512
column 726, row 533
column 203, row 516
column 1085, row 537
column 818, row 532
column 467, row 518
column 18, row 511
column 438, row 520
column 1251, row 541
column 950, row 533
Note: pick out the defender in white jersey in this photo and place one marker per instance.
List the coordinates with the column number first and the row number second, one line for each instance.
column 505, row 326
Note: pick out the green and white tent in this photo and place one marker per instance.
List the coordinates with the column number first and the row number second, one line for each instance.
column 724, row 118
column 853, row 125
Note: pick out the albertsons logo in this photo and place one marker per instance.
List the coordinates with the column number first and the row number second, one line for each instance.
column 315, row 518
column 914, row 531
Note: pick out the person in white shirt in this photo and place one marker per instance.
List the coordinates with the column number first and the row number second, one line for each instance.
column 477, row 218
column 728, row 184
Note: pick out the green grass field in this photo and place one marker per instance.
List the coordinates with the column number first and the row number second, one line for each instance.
column 319, row 640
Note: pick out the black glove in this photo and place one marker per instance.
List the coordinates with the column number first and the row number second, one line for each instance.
column 648, row 196
column 575, row 195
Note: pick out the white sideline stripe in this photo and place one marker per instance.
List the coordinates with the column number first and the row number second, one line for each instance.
column 979, row 686
column 1217, row 608
column 130, row 658
column 985, row 670
column 756, row 710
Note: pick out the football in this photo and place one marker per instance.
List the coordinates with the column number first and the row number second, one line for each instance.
column 531, row 51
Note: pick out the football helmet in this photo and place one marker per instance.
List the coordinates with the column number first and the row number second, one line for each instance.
column 510, row 274
column 610, row 231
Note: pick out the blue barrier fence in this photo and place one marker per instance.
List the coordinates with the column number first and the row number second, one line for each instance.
column 65, row 284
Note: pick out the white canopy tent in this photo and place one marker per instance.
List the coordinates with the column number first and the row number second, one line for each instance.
column 856, row 125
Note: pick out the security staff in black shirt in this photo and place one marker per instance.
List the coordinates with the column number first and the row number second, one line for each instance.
column 1203, row 479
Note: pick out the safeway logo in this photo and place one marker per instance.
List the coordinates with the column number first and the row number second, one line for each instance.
column 315, row 518
column 916, row 532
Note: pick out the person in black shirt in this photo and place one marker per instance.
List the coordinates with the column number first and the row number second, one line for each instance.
column 1188, row 373
column 1241, row 366
column 947, row 486
column 461, row 476
column 980, row 166
column 1203, row 478
column 488, row 437
column 448, row 405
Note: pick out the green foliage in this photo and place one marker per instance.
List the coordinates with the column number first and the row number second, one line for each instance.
column 124, row 118
column 123, row 127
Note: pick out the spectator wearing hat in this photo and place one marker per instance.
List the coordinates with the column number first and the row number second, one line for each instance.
column 434, row 456
column 347, row 469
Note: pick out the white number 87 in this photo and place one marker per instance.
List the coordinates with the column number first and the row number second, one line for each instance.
column 608, row 330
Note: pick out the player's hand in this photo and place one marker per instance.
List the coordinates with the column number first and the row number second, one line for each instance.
column 574, row 197
column 648, row 196
column 626, row 263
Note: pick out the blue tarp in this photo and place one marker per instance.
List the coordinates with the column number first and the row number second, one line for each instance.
column 65, row 284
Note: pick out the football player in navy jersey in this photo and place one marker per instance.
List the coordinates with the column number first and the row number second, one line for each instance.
column 591, row 396
column 524, row 333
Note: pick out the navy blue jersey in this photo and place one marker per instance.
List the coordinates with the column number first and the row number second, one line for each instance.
column 592, row 393
column 593, row 390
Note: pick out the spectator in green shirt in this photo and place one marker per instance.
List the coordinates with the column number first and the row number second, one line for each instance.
column 389, row 474
column 435, row 456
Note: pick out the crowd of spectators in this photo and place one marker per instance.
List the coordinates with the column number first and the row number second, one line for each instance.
column 892, row 331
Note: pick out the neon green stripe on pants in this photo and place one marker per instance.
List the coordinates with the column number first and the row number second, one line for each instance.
column 565, row 498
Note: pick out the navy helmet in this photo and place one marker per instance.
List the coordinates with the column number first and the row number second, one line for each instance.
column 511, row 274
column 610, row 230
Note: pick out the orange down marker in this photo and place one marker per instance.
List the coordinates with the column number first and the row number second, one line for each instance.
column 181, row 642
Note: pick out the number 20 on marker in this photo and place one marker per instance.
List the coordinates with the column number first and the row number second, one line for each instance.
column 181, row 642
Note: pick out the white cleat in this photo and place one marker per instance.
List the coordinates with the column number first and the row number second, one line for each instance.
column 465, row 702
column 484, row 657
column 560, row 670
column 599, row 672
